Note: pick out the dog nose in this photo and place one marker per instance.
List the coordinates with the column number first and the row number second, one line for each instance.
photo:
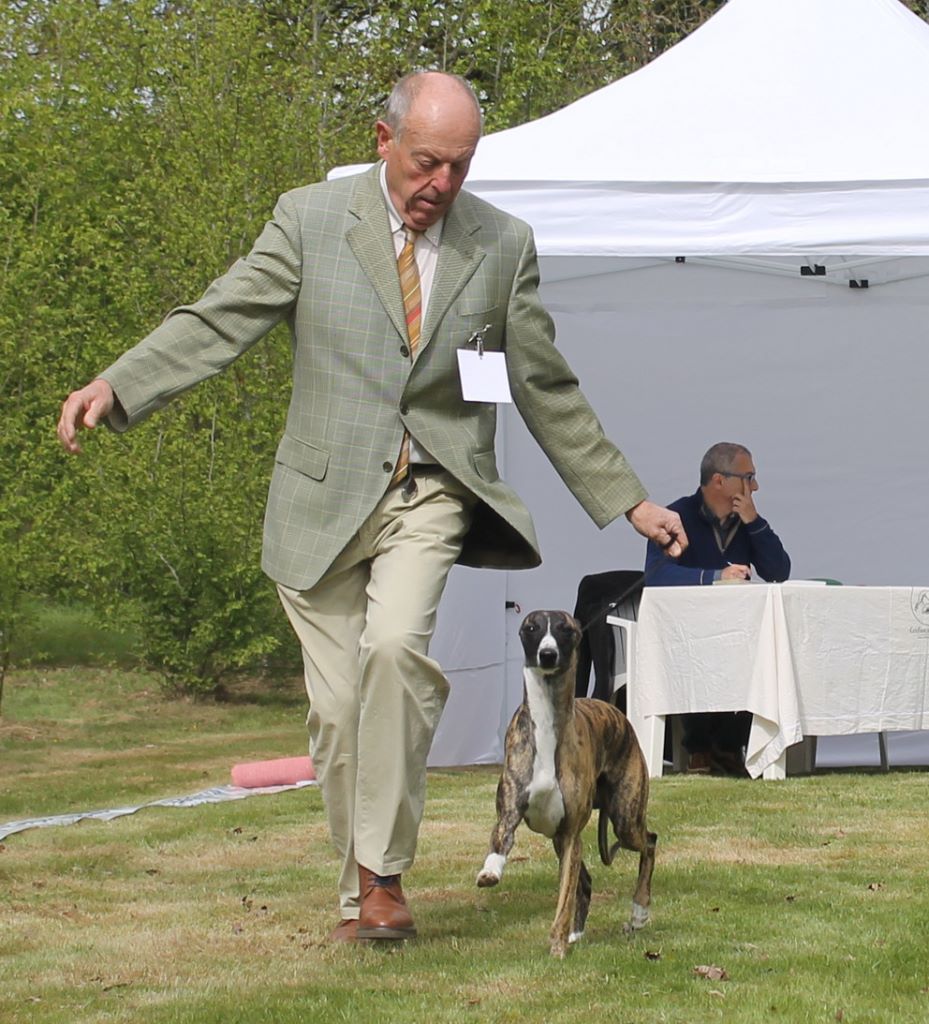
column 548, row 657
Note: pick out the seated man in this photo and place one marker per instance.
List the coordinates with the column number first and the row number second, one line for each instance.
column 727, row 539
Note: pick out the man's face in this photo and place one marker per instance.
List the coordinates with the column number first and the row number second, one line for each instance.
column 428, row 160
column 736, row 480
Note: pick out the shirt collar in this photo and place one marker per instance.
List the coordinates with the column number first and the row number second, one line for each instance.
column 433, row 233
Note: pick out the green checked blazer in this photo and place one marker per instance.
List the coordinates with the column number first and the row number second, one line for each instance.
column 325, row 263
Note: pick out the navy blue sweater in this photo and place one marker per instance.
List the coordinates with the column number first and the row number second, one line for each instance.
column 756, row 545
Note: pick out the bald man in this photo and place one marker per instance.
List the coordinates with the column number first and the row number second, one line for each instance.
column 386, row 476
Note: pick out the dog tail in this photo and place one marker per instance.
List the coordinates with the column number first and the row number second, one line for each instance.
column 607, row 852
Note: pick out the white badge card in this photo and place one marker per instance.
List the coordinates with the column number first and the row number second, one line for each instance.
column 483, row 376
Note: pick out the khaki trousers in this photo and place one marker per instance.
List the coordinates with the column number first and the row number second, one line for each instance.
column 375, row 695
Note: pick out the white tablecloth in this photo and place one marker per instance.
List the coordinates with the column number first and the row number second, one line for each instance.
column 805, row 660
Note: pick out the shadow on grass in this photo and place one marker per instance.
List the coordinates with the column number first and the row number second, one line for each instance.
column 54, row 635
column 274, row 687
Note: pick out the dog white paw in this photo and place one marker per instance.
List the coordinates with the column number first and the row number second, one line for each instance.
column 575, row 937
column 492, row 871
column 638, row 920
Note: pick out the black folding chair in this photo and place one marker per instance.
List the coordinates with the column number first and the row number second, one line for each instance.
column 596, row 594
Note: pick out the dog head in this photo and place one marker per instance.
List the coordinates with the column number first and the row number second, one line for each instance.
column 549, row 640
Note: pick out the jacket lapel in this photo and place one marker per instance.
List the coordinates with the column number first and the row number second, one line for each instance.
column 459, row 256
column 371, row 243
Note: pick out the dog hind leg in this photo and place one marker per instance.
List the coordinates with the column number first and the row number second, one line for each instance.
column 642, row 896
column 626, row 812
column 582, row 905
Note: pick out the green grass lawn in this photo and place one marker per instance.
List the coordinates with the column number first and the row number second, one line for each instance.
column 810, row 894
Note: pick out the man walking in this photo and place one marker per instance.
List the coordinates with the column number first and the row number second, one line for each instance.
column 385, row 476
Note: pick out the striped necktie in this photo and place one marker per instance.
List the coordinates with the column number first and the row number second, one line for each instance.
column 413, row 308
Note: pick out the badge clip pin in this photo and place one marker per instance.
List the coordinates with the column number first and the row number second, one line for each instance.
column 477, row 338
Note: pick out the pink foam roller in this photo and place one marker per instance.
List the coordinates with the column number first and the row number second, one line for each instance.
column 283, row 771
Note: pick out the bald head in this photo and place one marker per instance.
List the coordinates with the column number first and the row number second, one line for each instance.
column 429, row 133
column 437, row 89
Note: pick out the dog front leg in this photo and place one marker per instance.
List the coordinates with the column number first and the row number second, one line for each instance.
column 569, row 858
column 509, row 815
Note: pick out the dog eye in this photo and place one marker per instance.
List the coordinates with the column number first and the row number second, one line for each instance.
column 531, row 627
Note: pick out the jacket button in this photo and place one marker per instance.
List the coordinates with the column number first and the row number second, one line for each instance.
column 404, row 351
column 388, row 467
column 404, row 409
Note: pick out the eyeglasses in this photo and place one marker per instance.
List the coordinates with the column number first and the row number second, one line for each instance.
column 749, row 478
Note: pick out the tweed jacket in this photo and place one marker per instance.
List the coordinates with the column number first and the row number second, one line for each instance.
column 325, row 263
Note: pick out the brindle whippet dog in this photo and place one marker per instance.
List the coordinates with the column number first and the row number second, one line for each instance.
column 563, row 757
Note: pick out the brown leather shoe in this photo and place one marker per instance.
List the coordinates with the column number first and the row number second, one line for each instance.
column 728, row 762
column 699, row 763
column 345, row 931
column 384, row 913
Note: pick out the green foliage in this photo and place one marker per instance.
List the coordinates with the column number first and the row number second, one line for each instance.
column 142, row 144
column 194, row 564
column 136, row 166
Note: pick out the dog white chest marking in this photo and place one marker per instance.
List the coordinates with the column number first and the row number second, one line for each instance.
column 545, row 809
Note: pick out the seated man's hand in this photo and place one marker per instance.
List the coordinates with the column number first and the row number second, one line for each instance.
column 736, row 572
column 744, row 506
column 661, row 525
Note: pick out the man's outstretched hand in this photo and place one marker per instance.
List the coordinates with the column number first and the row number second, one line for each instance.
column 83, row 408
column 660, row 525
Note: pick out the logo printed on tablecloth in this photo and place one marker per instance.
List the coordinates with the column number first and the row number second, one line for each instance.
column 919, row 604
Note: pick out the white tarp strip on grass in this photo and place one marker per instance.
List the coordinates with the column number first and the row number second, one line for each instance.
column 214, row 795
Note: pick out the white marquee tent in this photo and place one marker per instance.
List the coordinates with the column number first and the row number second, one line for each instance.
column 734, row 243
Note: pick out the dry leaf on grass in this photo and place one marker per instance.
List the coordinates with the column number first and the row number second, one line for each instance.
column 876, row 886
column 711, row 972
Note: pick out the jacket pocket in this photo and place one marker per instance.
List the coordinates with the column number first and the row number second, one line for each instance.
column 486, row 465
column 476, row 305
column 302, row 457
